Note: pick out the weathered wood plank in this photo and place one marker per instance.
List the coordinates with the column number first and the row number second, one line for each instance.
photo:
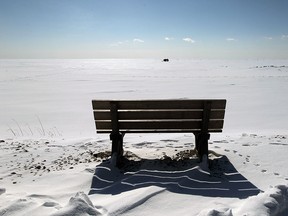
column 160, row 131
column 216, row 124
column 168, row 114
column 159, row 104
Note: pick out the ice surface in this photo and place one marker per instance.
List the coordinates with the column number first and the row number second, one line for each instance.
column 53, row 162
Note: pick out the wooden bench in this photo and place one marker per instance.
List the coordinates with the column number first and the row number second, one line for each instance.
column 118, row 117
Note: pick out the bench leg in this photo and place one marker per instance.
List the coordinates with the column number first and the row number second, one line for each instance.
column 201, row 140
column 117, row 147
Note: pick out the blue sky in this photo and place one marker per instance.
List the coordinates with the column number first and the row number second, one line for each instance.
column 144, row 29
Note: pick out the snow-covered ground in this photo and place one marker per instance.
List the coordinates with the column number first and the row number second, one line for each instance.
column 53, row 162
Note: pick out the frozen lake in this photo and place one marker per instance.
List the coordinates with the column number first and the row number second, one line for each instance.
column 53, row 97
column 47, row 137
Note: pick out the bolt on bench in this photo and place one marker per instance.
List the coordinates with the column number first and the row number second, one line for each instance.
column 118, row 117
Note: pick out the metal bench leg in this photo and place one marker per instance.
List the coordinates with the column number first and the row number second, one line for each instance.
column 201, row 140
column 117, row 147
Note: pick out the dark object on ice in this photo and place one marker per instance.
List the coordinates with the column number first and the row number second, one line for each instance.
column 166, row 60
column 200, row 117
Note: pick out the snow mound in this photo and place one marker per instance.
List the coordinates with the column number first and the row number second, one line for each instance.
column 273, row 202
column 24, row 205
column 80, row 204
column 214, row 212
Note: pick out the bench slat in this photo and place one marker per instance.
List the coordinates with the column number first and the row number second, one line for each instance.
column 159, row 104
column 142, row 125
column 169, row 114
column 160, row 131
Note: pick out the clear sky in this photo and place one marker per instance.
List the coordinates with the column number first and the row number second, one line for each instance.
column 144, row 29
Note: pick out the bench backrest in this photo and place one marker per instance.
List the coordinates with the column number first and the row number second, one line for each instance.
column 152, row 116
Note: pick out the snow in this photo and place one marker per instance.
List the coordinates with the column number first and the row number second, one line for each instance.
column 53, row 162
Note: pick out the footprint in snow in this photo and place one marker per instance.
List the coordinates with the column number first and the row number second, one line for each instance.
column 51, row 204
column 220, row 141
column 169, row 140
column 102, row 141
column 282, row 144
column 143, row 143
column 246, row 144
column 2, row 190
